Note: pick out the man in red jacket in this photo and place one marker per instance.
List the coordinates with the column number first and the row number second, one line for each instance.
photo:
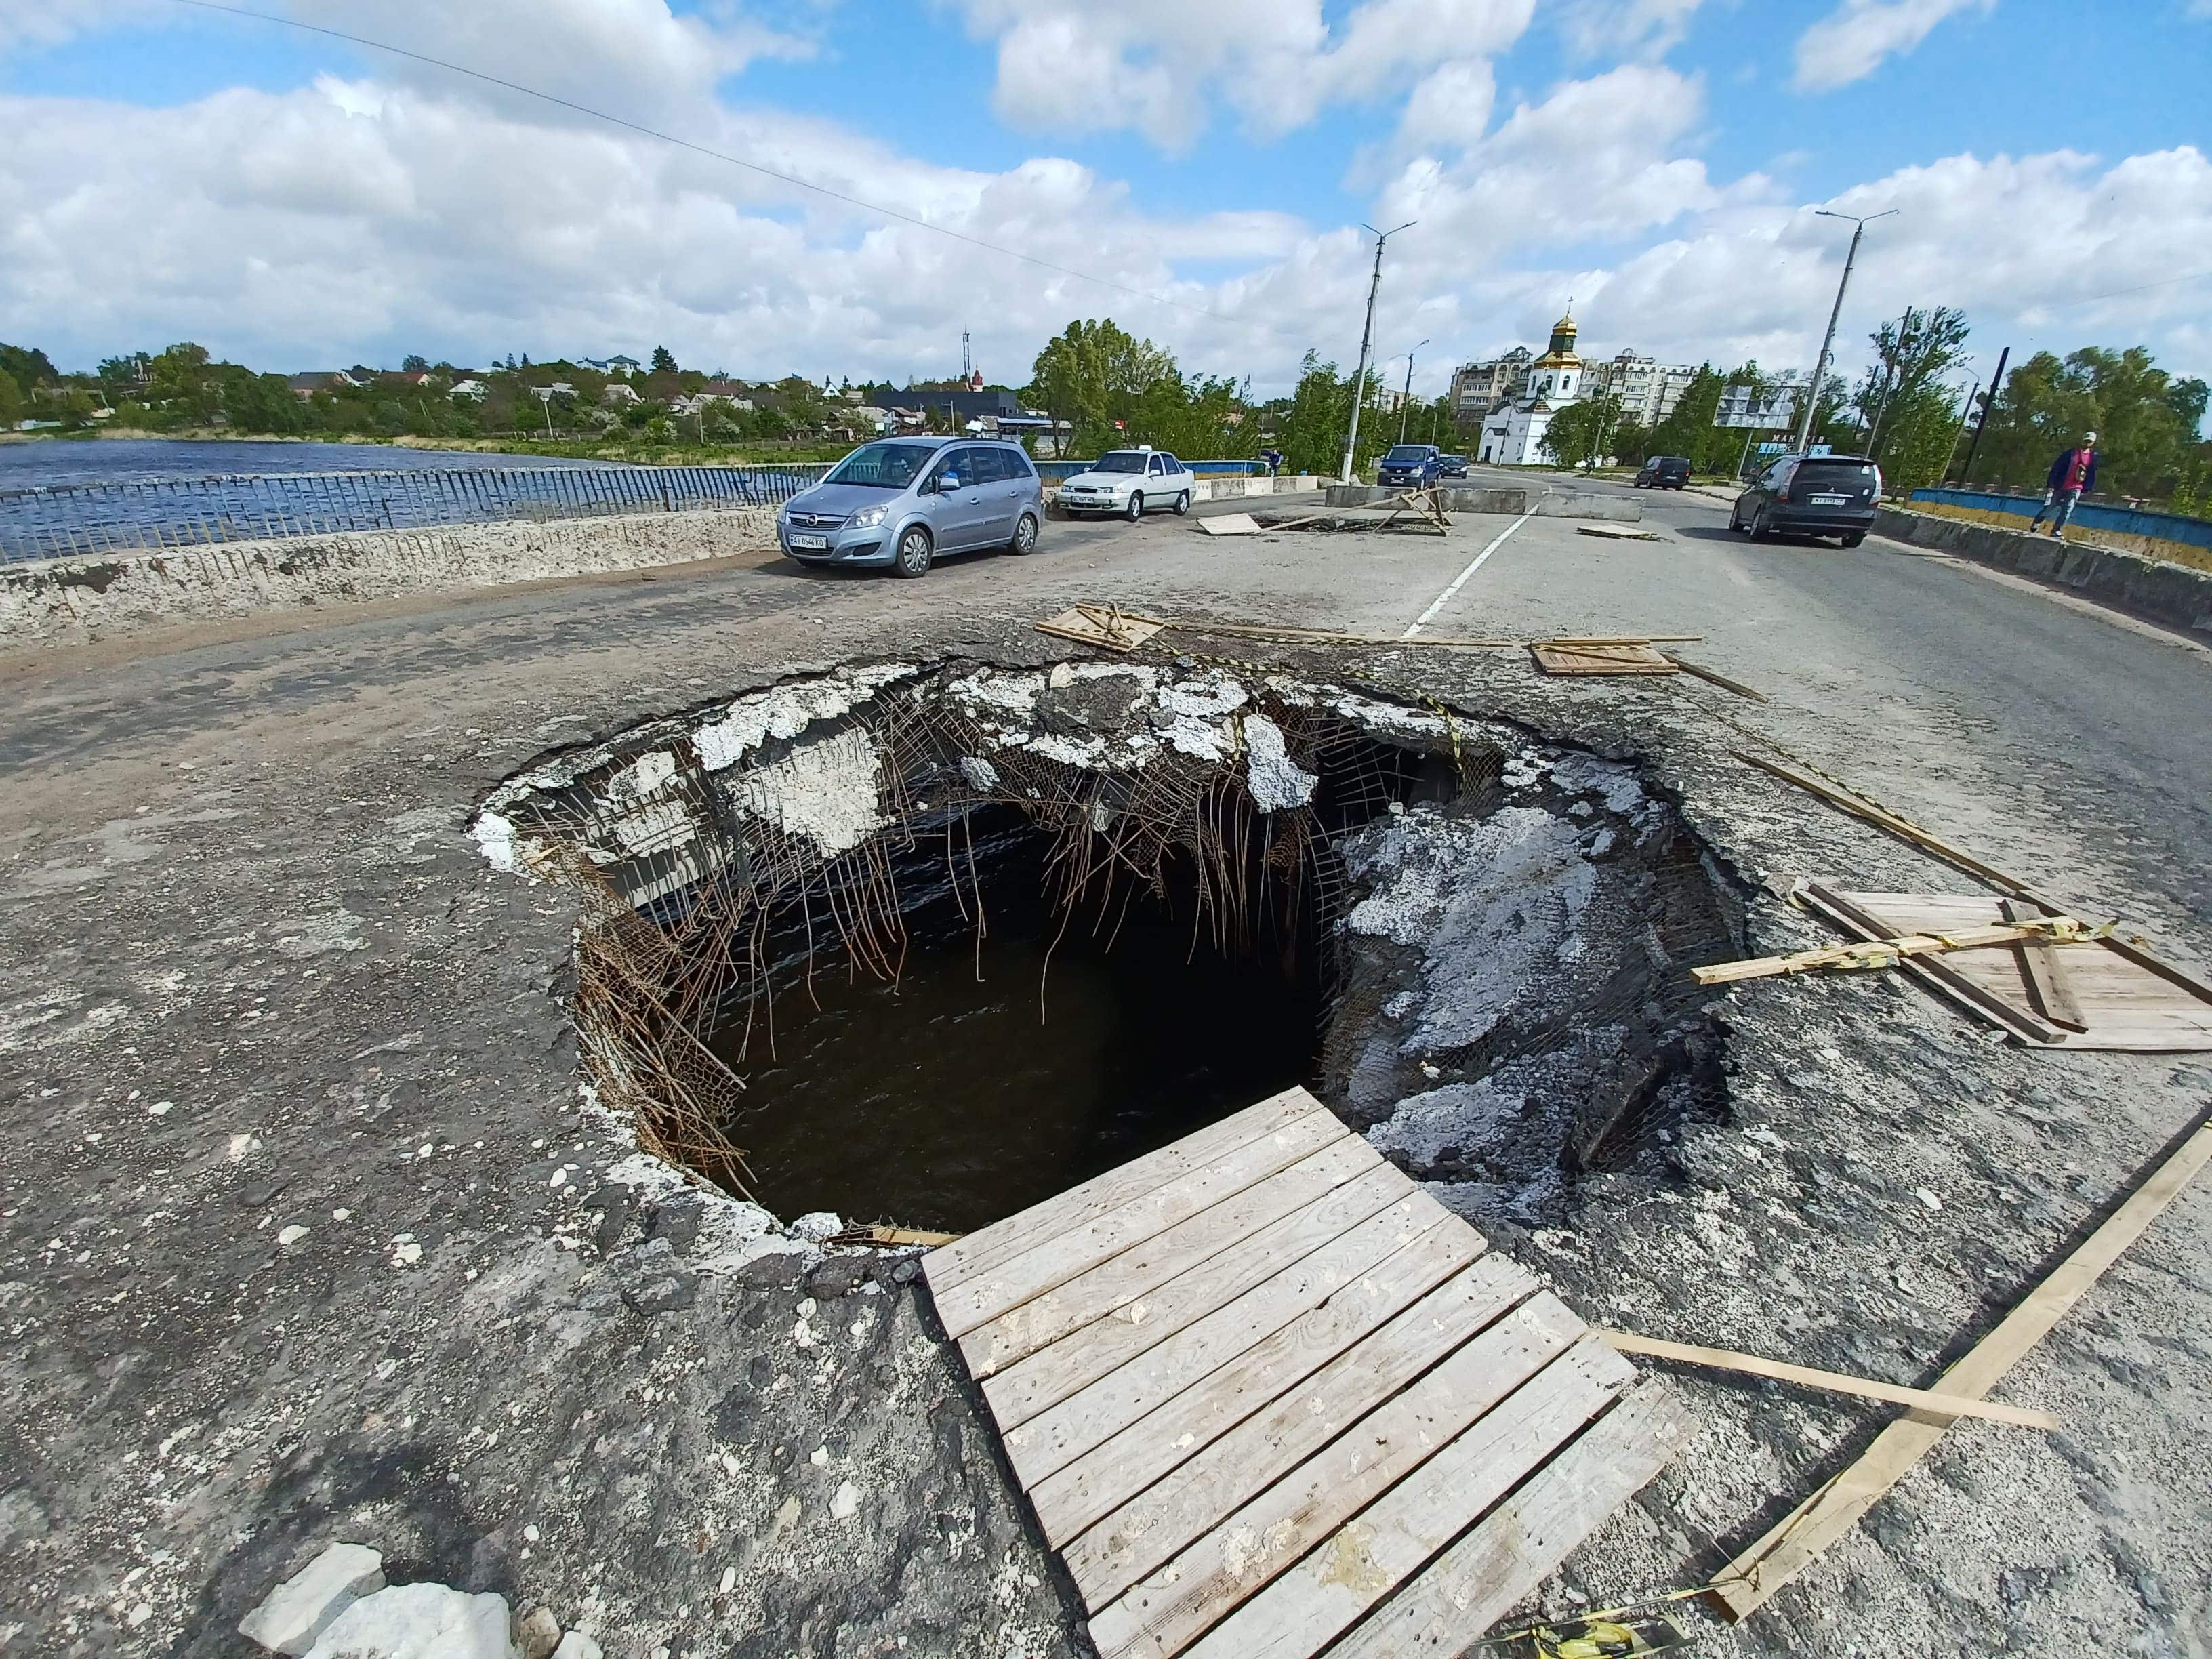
column 2073, row 471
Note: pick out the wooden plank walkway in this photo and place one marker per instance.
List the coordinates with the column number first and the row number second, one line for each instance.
column 1267, row 1397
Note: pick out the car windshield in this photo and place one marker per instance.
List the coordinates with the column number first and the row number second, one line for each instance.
column 881, row 466
column 1121, row 460
column 1407, row 455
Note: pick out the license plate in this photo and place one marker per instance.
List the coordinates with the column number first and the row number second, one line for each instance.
column 797, row 540
column 1831, row 501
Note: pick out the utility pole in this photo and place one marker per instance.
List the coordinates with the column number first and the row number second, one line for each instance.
column 1821, row 363
column 1966, row 473
column 1366, row 345
column 1405, row 402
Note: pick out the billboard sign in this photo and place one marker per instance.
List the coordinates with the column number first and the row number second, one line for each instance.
column 1743, row 408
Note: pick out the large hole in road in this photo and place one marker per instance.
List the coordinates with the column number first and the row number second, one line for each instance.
column 928, row 943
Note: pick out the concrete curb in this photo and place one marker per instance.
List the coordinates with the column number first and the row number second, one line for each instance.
column 2173, row 594
column 1509, row 499
column 58, row 602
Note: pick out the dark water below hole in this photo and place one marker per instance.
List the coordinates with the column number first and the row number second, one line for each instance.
column 947, row 1101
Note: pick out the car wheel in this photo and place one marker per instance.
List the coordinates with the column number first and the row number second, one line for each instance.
column 1735, row 522
column 1761, row 530
column 1136, row 508
column 1025, row 535
column 1182, row 502
column 1855, row 538
column 914, row 553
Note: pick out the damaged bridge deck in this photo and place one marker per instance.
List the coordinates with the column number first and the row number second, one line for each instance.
column 1267, row 1397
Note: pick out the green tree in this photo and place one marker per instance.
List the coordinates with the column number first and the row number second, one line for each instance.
column 413, row 364
column 11, row 400
column 183, row 378
column 2147, row 422
column 1907, row 416
column 1092, row 374
column 1581, row 434
column 664, row 361
column 26, row 365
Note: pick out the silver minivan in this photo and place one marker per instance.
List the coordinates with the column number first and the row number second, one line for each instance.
column 906, row 502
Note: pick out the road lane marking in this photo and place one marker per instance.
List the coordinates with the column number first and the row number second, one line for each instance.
column 1460, row 580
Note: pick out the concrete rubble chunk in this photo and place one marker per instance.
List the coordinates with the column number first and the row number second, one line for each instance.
column 296, row 1612
column 419, row 1621
column 538, row 1633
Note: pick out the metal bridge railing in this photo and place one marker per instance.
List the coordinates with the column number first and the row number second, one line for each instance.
column 89, row 520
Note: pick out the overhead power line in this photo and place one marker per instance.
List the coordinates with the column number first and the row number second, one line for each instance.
column 792, row 179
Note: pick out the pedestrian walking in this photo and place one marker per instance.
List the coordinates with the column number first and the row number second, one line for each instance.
column 2073, row 471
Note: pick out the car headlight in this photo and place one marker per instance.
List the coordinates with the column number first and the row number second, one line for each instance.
column 866, row 517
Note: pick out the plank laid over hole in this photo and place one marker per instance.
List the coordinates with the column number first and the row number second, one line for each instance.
column 1164, row 1479
column 1122, row 1279
column 1052, row 1261
column 1043, row 1379
column 1369, row 1556
column 1057, row 1437
column 959, row 1262
column 1570, row 657
column 1522, row 1541
column 1255, row 1542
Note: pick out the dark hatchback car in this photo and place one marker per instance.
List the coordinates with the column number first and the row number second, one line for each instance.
column 1664, row 472
column 1452, row 466
column 1411, row 466
column 1811, row 495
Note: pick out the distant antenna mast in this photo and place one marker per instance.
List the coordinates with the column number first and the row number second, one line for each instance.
column 966, row 363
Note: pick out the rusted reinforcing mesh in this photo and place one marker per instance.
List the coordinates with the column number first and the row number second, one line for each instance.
column 689, row 873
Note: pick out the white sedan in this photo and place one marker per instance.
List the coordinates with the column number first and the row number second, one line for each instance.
column 1129, row 482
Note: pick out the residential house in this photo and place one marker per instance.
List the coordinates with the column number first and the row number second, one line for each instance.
column 319, row 380
column 1482, row 388
column 1647, row 389
column 471, row 388
column 617, row 394
column 625, row 367
column 546, row 394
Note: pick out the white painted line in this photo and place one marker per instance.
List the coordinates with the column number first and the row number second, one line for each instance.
column 1460, row 580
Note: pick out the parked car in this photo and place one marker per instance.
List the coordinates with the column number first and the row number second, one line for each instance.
column 1452, row 466
column 1129, row 482
column 1411, row 466
column 1664, row 472
column 1812, row 496
column 906, row 502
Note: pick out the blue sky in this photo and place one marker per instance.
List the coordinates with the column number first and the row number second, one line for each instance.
column 291, row 199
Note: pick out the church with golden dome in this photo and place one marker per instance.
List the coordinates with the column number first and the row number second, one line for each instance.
column 1513, row 434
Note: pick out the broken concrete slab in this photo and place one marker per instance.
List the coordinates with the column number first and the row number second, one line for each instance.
column 1616, row 533
column 419, row 1621
column 296, row 1613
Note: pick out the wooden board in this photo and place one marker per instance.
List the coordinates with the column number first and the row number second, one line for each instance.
column 1617, row 532
column 1230, row 523
column 1571, row 657
column 2123, row 1000
column 1106, row 626
column 1259, row 1388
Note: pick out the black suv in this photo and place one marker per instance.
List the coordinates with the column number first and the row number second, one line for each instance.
column 1811, row 495
column 1664, row 472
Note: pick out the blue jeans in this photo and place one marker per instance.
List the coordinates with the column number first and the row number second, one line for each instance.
column 2061, row 505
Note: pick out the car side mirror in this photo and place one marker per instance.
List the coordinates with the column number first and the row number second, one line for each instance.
column 949, row 481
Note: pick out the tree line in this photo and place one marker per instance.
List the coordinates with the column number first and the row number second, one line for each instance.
column 1911, row 415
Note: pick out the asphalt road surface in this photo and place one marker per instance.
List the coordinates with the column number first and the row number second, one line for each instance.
column 305, row 1233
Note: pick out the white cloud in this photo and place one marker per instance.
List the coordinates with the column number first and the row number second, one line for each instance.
column 1627, row 28
column 1852, row 41
column 1073, row 66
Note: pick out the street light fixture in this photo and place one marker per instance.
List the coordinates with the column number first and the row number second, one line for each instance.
column 1405, row 403
column 1821, row 363
column 1366, row 345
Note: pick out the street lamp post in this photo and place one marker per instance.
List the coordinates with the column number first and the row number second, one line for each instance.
column 1821, row 363
column 1366, row 345
column 1406, row 400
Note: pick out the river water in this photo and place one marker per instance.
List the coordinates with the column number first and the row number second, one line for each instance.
column 151, row 461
